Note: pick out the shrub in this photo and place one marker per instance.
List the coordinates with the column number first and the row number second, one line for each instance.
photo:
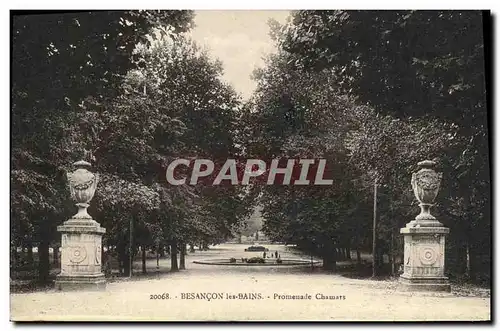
column 279, row 261
column 232, row 260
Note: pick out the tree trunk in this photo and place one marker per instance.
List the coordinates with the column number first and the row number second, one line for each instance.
column 329, row 258
column 120, row 256
column 43, row 256
column 143, row 251
column 126, row 263
column 330, row 261
column 340, row 254
column 182, row 261
column 29, row 253
column 157, row 257
column 348, row 253
column 326, row 262
column 173, row 256
column 461, row 259
column 123, row 259
column 378, row 262
column 55, row 255
column 120, row 266
column 470, row 271
column 358, row 256
column 391, row 256
column 162, row 251
column 391, row 263
column 22, row 254
column 17, row 256
column 13, row 257
column 240, row 239
column 29, row 256
column 334, row 261
column 131, row 244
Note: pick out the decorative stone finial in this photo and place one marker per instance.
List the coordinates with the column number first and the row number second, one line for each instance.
column 425, row 184
column 82, row 185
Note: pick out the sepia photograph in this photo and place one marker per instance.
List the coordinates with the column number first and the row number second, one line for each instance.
column 251, row 165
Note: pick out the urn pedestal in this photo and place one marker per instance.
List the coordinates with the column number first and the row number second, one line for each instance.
column 81, row 240
column 424, row 237
column 81, row 256
column 424, row 259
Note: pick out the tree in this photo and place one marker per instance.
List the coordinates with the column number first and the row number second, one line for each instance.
column 180, row 74
column 415, row 64
column 301, row 112
column 253, row 224
column 59, row 62
column 292, row 115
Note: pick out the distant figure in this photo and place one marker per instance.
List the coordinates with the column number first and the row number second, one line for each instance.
column 276, row 254
column 264, row 254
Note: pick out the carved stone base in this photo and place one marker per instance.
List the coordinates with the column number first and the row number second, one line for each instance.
column 424, row 284
column 81, row 255
column 424, row 258
column 81, row 283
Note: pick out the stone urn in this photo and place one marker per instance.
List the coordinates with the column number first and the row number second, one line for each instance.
column 82, row 185
column 425, row 183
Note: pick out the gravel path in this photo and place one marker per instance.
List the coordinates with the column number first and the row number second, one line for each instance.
column 265, row 295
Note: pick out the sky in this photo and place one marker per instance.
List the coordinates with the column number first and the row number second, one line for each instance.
column 240, row 39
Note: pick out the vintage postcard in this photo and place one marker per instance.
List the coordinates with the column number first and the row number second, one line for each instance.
column 250, row 165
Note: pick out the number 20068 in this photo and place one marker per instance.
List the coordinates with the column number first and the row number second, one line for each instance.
column 162, row 296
